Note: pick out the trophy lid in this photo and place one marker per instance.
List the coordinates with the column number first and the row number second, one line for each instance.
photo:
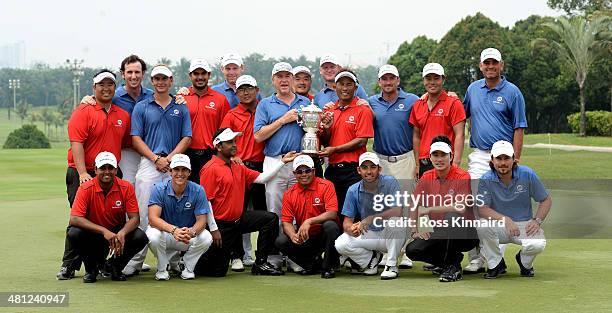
column 311, row 108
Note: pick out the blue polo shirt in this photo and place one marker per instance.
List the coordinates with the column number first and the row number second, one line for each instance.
column 180, row 212
column 289, row 136
column 513, row 200
column 495, row 112
column 126, row 102
column 359, row 203
column 326, row 95
column 392, row 131
column 160, row 129
column 230, row 94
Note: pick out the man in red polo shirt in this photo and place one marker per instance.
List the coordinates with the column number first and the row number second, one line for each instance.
column 97, row 221
column 312, row 203
column 251, row 153
column 206, row 110
column 225, row 183
column 91, row 130
column 302, row 81
column 444, row 194
column 436, row 114
column 345, row 136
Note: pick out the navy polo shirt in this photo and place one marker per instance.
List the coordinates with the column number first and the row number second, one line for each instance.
column 289, row 136
column 326, row 95
column 513, row 200
column 230, row 94
column 495, row 112
column 161, row 129
column 180, row 212
column 126, row 102
column 392, row 131
column 359, row 203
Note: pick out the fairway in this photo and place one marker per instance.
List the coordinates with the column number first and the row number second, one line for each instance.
column 572, row 274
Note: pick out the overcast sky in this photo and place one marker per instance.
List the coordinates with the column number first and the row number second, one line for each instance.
column 103, row 32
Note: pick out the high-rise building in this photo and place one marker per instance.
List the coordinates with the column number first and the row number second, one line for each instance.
column 13, row 55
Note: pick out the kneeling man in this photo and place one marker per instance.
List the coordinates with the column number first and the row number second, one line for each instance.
column 312, row 203
column 178, row 212
column 97, row 221
column 365, row 235
column 507, row 190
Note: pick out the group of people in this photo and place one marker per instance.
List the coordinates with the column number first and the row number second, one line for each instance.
column 191, row 176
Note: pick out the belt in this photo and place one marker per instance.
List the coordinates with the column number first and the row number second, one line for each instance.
column 344, row 164
column 393, row 158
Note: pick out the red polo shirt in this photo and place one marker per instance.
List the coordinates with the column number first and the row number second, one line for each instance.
column 445, row 114
column 351, row 122
column 107, row 211
column 98, row 131
column 206, row 113
column 457, row 182
column 301, row 203
column 225, row 185
column 240, row 119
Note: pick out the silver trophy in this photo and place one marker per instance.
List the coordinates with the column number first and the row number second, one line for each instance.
column 310, row 119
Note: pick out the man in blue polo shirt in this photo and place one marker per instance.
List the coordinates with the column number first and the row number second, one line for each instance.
column 496, row 108
column 275, row 123
column 232, row 67
column 160, row 129
column 506, row 192
column 178, row 214
column 365, row 236
column 329, row 68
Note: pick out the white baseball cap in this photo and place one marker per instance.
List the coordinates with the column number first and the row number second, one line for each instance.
column 303, row 159
column 490, row 53
column 199, row 63
column 246, row 80
column 281, row 67
column 329, row 58
column 502, row 147
column 433, row 68
column 225, row 135
column 301, row 69
column 440, row 146
column 388, row 69
column 161, row 70
column 180, row 160
column 369, row 156
column 105, row 158
column 231, row 58
column 346, row 74
column 104, row 75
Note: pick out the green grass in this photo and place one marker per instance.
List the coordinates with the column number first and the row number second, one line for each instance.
column 569, row 139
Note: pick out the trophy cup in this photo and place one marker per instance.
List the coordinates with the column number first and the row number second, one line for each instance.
column 310, row 119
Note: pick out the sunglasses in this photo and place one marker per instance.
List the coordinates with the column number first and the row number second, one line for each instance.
column 304, row 171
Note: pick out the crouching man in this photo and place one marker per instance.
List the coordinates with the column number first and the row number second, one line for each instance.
column 178, row 213
column 365, row 236
column 98, row 225
column 507, row 190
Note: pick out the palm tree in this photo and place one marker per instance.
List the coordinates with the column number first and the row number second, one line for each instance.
column 581, row 42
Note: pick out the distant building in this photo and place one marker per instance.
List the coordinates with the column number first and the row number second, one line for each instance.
column 13, row 55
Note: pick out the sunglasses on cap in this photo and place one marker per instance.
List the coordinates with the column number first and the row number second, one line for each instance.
column 303, row 171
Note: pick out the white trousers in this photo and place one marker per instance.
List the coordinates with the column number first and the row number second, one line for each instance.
column 163, row 245
column 402, row 169
column 146, row 176
column 491, row 237
column 130, row 159
column 390, row 240
column 276, row 187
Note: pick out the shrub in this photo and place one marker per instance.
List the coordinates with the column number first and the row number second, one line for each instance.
column 27, row 137
column 598, row 123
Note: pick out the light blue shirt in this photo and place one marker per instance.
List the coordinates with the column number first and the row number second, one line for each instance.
column 126, row 102
column 495, row 112
column 180, row 212
column 289, row 136
column 392, row 131
column 359, row 203
column 326, row 95
column 161, row 129
column 513, row 200
column 230, row 94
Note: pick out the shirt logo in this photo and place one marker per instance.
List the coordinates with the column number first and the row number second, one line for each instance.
column 317, row 200
column 519, row 188
column 499, row 99
column 440, row 111
column 117, row 204
column 351, row 119
column 451, row 192
column 176, row 111
column 119, row 122
column 211, row 105
column 188, row 204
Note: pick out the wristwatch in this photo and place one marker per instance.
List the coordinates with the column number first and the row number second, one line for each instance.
column 538, row 220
